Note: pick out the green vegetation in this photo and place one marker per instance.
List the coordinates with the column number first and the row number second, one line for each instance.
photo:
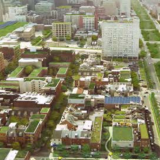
column 141, row 43
column 92, row 86
column 76, row 96
column 144, row 132
column 147, row 25
column 36, row 41
column 46, row 33
column 28, row 69
column 53, row 83
column 4, row 129
column 44, row 110
column 135, row 80
column 151, row 35
column 37, row 52
column 20, row 121
column 157, row 68
column 156, row 113
column 122, row 134
column 21, row 154
column 125, row 75
column 62, row 71
column 154, row 49
column 3, row 153
column 16, row 72
column 76, row 77
column 142, row 71
column 37, row 116
column 96, row 133
column 142, row 54
column 32, row 126
column 9, row 29
column 37, row 71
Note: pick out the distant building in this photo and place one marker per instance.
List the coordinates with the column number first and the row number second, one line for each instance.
column 62, row 10
column 44, row 7
column 61, row 29
column 2, row 65
column 125, row 8
column 89, row 22
column 121, row 38
column 87, row 9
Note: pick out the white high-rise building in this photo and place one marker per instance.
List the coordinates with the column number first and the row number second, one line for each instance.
column 125, row 7
column 121, row 38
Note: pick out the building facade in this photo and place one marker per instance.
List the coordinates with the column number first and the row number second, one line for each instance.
column 2, row 64
column 121, row 38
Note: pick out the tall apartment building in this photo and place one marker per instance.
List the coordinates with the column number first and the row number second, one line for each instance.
column 2, row 65
column 62, row 10
column 87, row 9
column 61, row 29
column 44, row 7
column 125, row 7
column 89, row 22
column 121, row 38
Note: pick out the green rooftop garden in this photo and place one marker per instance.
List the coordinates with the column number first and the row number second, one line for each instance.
column 9, row 87
column 60, row 63
column 38, row 116
column 37, row 52
column 62, row 71
column 77, row 96
column 122, row 134
column 144, row 132
column 3, row 153
column 96, row 133
column 64, row 7
column 11, row 28
column 37, row 71
column 53, row 83
column 92, row 86
column 16, row 72
column 21, row 154
column 119, row 116
column 32, row 126
column 4, row 129
column 34, row 78
column 44, row 110
column 125, row 74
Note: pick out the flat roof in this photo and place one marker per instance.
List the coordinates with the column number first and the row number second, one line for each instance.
column 122, row 100
column 16, row 72
column 77, row 96
column 122, row 133
column 37, row 71
column 38, row 116
column 32, row 126
column 144, row 132
column 62, row 71
column 4, row 129
column 44, row 110
column 4, row 153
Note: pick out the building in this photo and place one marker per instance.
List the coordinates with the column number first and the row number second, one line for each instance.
column 87, row 9
column 89, row 22
column 2, row 64
column 122, row 137
column 121, row 38
column 44, row 7
column 61, row 29
column 62, row 10
column 125, row 8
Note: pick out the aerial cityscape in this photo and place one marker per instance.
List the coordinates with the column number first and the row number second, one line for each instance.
column 79, row 79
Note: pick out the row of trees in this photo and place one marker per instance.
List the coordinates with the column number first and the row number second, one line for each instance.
column 135, row 80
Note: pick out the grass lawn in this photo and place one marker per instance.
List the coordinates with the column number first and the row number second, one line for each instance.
column 36, row 72
column 9, row 29
column 147, row 25
column 16, row 72
column 122, row 134
column 96, row 134
column 157, row 68
column 154, row 50
column 125, row 74
column 44, row 110
column 32, row 126
column 3, row 153
column 144, row 17
column 151, row 35
column 37, row 116
column 62, row 71
column 144, row 132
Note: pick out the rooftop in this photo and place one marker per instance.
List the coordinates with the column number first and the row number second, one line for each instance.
column 37, row 116
column 32, row 126
column 77, row 96
column 62, row 71
column 53, row 83
column 37, row 71
column 144, row 132
column 44, row 110
column 122, row 134
column 4, row 152
column 96, row 133
column 16, row 72
column 4, row 129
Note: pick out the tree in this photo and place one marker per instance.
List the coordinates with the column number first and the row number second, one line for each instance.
column 146, row 149
column 142, row 54
column 86, row 148
column 56, row 59
column 29, row 147
column 1, row 145
column 141, row 155
column 76, row 38
column 127, row 155
column 140, row 43
column 54, row 38
column 14, row 119
column 16, row 146
column 43, row 43
column 64, row 88
column 28, row 69
column 24, row 121
column 50, row 124
column 153, row 156
column 137, row 149
column 68, row 38
column 94, row 38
